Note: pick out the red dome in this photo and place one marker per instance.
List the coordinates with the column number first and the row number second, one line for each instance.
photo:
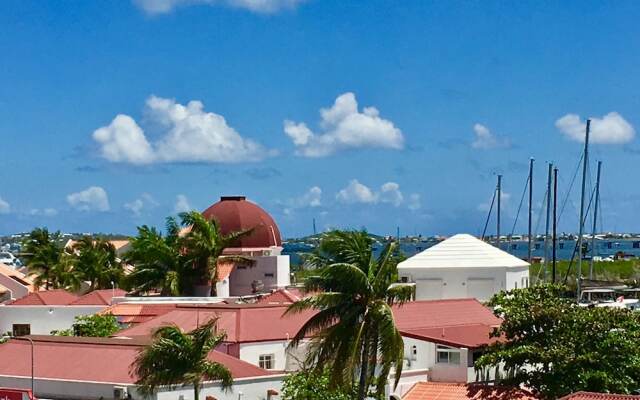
column 235, row 213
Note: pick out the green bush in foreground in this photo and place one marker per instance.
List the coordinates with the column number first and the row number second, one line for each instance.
column 309, row 385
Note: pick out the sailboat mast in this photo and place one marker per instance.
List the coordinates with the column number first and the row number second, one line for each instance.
column 555, row 223
column 595, row 219
column 546, row 229
column 585, row 162
column 499, row 195
column 530, row 209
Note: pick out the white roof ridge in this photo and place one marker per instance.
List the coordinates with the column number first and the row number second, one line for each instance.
column 463, row 251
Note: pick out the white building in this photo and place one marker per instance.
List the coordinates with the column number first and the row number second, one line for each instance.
column 39, row 313
column 463, row 266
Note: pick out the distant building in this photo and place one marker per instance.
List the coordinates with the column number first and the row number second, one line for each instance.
column 457, row 391
column 13, row 284
column 463, row 266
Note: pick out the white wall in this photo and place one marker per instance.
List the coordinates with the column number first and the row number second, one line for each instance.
column 243, row 389
column 43, row 319
column 272, row 271
column 459, row 282
column 251, row 389
column 250, row 352
column 17, row 289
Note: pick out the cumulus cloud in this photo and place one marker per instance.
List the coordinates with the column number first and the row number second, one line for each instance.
column 356, row 192
column 93, row 198
column 485, row 139
column 610, row 129
column 312, row 198
column 182, row 204
column 136, row 206
column 5, row 207
column 415, row 202
column 188, row 134
column 154, row 7
column 344, row 127
column 45, row 212
column 504, row 202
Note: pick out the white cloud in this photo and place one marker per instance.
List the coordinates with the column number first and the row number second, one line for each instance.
column 5, row 207
column 93, row 198
column 415, row 202
column 486, row 140
column 356, row 192
column 188, row 134
column 136, row 206
column 45, row 212
column 182, row 204
column 154, row 7
column 312, row 198
column 390, row 193
column 610, row 129
column 344, row 127
column 504, row 203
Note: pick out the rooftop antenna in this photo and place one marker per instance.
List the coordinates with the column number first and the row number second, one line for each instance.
column 529, row 238
column 499, row 195
column 555, row 223
column 595, row 219
column 585, row 162
column 546, row 229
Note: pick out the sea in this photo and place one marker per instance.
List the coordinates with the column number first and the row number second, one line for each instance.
column 519, row 248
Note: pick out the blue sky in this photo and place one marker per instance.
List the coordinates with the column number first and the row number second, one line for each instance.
column 371, row 113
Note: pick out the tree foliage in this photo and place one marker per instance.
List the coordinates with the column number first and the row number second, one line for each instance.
column 311, row 385
column 175, row 358
column 556, row 347
column 42, row 252
column 354, row 332
column 97, row 263
column 91, row 326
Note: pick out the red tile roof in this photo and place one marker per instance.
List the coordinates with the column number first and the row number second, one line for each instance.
column 139, row 311
column 56, row 297
column 99, row 297
column 465, row 322
column 462, row 391
column 281, row 296
column 241, row 323
column 456, row 322
column 599, row 396
column 92, row 359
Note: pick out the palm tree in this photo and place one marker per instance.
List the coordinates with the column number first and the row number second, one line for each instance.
column 97, row 263
column 158, row 261
column 42, row 251
column 204, row 244
column 177, row 358
column 354, row 332
column 64, row 273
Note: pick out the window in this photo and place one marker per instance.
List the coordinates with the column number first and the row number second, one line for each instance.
column 516, row 283
column 21, row 329
column 561, row 245
column 266, row 361
column 404, row 279
column 447, row 355
column 537, row 246
column 609, row 245
column 636, row 245
column 514, row 247
column 241, row 267
column 268, row 275
column 414, row 352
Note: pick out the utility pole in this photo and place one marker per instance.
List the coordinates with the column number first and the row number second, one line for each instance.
column 530, row 208
column 585, row 163
column 499, row 189
column 555, row 223
column 595, row 219
column 546, row 229
column 314, row 227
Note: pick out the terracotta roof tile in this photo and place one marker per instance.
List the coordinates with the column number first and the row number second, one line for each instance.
column 99, row 297
column 461, row 391
column 56, row 297
column 281, row 296
column 91, row 359
column 599, row 396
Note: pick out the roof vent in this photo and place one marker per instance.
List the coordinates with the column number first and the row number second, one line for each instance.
column 232, row 198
